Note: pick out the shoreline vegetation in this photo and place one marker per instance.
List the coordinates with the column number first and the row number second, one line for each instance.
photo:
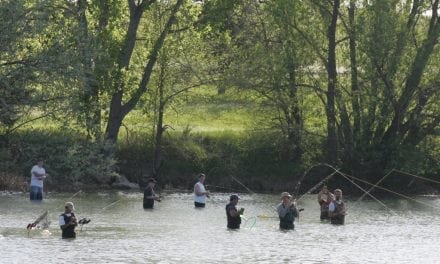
column 74, row 163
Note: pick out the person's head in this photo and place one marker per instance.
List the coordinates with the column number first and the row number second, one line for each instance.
column 151, row 182
column 324, row 189
column 285, row 197
column 233, row 199
column 338, row 194
column 202, row 177
column 40, row 162
column 69, row 207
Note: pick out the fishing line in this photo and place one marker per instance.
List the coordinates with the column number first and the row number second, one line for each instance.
column 377, row 200
column 249, row 190
column 318, row 184
column 420, row 177
column 345, row 176
column 247, row 220
column 396, row 193
column 375, row 185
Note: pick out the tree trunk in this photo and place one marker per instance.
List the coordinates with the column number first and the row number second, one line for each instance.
column 355, row 93
column 118, row 110
column 332, row 143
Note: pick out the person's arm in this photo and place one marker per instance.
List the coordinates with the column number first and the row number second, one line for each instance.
column 38, row 175
column 342, row 212
column 198, row 192
column 234, row 212
column 281, row 210
column 294, row 209
column 64, row 225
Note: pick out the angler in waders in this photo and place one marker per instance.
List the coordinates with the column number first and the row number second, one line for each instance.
column 149, row 194
column 325, row 197
column 337, row 209
column 68, row 221
column 232, row 214
column 287, row 211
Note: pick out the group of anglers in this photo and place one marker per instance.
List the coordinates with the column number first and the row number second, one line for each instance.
column 332, row 206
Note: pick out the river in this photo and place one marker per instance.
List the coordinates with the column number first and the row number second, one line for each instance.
column 121, row 231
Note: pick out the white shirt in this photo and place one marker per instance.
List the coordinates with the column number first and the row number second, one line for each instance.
column 34, row 180
column 201, row 188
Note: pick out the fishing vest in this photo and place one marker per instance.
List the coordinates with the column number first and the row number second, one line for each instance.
column 233, row 221
column 286, row 222
column 337, row 218
column 69, row 231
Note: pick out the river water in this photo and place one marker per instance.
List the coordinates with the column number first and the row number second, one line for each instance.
column 175, row 232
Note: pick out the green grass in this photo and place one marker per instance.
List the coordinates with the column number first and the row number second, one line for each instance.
column 204, row 111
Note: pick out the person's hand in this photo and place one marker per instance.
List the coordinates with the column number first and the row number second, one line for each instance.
column 207, row 193
column 241, row 211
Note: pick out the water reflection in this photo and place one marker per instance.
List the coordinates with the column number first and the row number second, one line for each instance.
column 175, row 232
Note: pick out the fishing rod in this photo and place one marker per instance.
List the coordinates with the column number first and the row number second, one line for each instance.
column 46, row 223
column 34, row 224
column 85, row 221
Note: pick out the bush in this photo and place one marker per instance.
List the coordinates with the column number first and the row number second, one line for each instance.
column 69, row 157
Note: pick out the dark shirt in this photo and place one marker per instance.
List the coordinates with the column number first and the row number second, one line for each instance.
column 148, row 202
column 233, row 221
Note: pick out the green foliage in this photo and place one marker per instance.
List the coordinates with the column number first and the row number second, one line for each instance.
column 69, row 158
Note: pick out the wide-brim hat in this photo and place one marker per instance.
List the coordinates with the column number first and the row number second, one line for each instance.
column 70, row 204
column 286, row 194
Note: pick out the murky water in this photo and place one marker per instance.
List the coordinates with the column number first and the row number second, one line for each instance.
column 174, row 232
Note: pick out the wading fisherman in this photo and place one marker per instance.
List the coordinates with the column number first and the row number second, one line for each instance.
column 287, row 211
column 149, row 194
column 233, row 215
column 38, row 174
column 68, row 221
column 200, row 193
column 325, row 197
column 337, row 209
